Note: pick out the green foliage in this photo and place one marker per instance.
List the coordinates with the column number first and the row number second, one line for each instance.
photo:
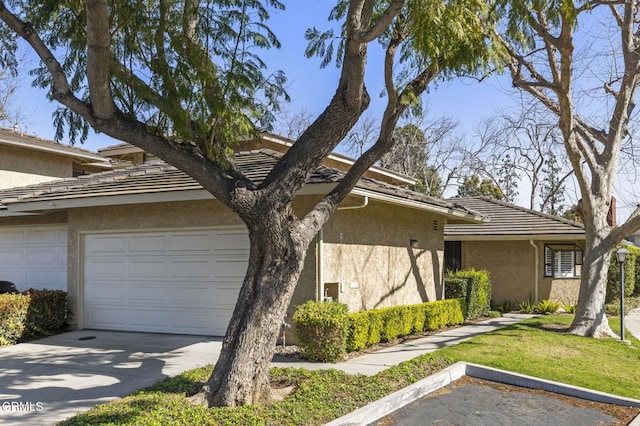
column 321, row 330
column 34, row 313
column 430, row 37
column 568, row 307
column 613, row 308
column 13, row 317
column 319, row 397
column 613, row 278
column 47, row 312
column 526, row 307
column 473, row 187
column 475, row 289
column 547, row 307
column 494, row 314
column 382, row 325
column 504, row 307
column 190, row 76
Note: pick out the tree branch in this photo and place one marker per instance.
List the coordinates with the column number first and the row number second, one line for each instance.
column 98, row 55
column 381, row 24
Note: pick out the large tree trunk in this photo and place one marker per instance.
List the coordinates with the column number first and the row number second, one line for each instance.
column 590, row 319
column 275, row 262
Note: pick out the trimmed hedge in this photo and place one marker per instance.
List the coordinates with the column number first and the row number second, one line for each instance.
column 630, row 274
column 472, row 286
column 13, row 317
column 321, row 329
column 47, row 312
column 320, row 326
column 31, row 314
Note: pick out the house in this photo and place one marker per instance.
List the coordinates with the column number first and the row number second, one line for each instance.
column 26, row 160
column 145, row 248
column 530, row 255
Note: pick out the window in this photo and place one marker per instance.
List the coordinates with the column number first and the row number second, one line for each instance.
column 562, row 261
column 452, row 255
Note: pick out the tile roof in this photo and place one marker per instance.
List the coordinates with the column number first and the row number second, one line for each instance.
column 506, row 219
column 13, row 138
column 160, row 177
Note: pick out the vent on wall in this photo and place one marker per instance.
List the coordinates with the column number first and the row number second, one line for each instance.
column 435, row 225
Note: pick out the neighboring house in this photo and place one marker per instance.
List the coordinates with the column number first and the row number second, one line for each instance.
column 145, row 248
column 25, row 160
column 530, row 255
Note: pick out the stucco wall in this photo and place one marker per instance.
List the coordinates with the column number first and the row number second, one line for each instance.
column 21, row 167
column 560, row 289
column 512, row 268
column 367, row 253
column 511, row 264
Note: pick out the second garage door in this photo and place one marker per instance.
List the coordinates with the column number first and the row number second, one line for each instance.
column 184, row 282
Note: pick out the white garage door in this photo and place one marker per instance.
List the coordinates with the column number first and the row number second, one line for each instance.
column 34, row 257
column 184, row 282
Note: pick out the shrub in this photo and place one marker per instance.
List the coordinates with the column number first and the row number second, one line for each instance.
column 47, row 312
column 613, row 278
column 380, row 325
column 504, row 307
column 321, row 330
column 476, row 290
column 13, row 317
column 569, row 307
column 494, row 314
column 547, row 307
column 526, row 307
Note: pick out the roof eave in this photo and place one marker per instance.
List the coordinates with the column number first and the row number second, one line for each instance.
column 26, row 206
column 511, row 237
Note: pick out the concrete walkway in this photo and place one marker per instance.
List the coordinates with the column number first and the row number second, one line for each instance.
column 45, row 381
column 375, row 362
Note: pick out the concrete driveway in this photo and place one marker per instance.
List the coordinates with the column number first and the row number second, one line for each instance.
column 48, row 380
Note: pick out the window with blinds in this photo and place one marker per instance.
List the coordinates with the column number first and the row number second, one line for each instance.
column 562, row 261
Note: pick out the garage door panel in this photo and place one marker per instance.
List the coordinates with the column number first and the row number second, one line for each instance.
column 148, row 268
column 12, row 237
column 191, row 296
column 236, row 241
column 189, row 268
column 156, row 243
column 230, row 268
column 42, row 236
column 190, row 321
column 11, row 257
column 185, row 286
column 41, row 257
column 106, row 292
column 105, row 268
column 108, row 316
column 34, row 257
column 142, row 294
column 191, row 243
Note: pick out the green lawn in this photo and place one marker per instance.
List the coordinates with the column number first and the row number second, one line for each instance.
column 536, row 347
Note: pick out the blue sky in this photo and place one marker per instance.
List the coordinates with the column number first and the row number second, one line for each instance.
column 311, row 87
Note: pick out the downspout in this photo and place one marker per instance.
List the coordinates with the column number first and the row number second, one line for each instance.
column 320, row 269
column 365, row 203
column 536, row 271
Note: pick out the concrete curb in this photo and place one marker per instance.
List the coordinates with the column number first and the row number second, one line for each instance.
column 387, row 405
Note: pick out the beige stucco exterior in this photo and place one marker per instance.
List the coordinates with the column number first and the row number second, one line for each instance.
column 368, row 261
column 517, row 275
column 366, row 251
column 21, row 167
